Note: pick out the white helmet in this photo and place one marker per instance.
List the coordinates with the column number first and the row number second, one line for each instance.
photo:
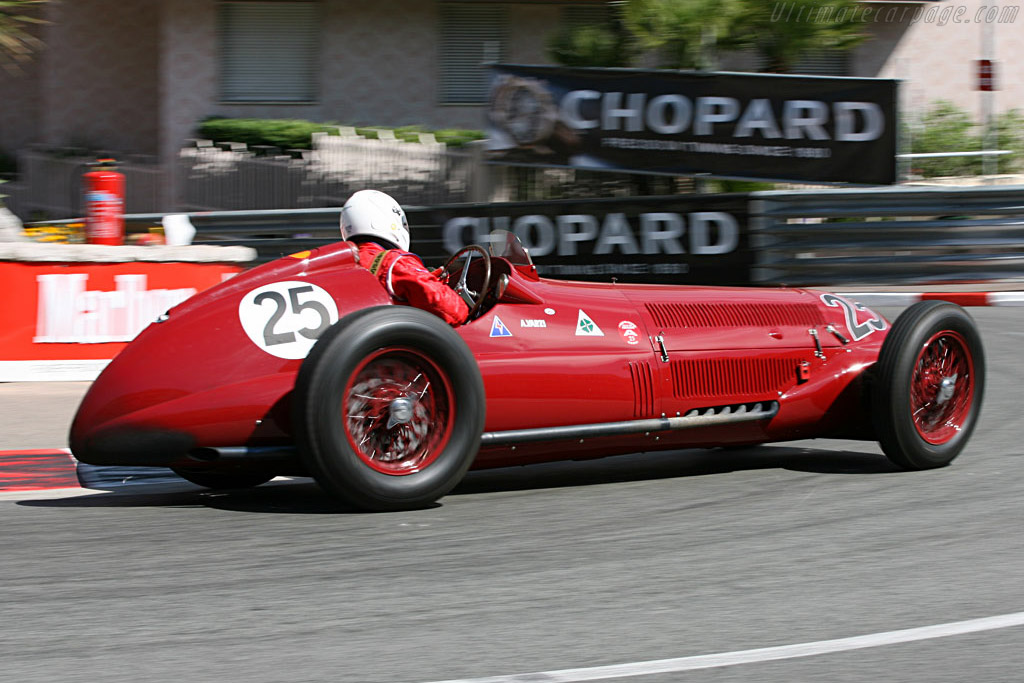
column 373, row 214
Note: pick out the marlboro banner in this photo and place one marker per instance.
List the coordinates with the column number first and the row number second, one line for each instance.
column 65, row 321
column 798, row 128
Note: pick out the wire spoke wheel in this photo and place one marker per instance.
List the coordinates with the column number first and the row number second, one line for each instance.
column 927, row 385
column 942, row 388
column 397, row 411
column 388, row 409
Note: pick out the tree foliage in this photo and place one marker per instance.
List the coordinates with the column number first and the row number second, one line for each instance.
column 683, row 34
column 17, row 42
column 590, row 45
column 783, row 31
column 679, row 32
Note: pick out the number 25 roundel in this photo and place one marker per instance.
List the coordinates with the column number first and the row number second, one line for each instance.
column 286, row 318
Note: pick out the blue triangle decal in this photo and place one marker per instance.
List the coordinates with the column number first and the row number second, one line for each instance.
column 498, row 328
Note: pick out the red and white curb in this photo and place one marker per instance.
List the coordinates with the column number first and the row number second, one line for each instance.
column 38, row 470
column 56, row 470
column 961, row 298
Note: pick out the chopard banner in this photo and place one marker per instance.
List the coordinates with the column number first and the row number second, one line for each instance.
column 801, row 128
column 695, row 239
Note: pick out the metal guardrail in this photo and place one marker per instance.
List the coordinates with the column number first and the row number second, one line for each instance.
column 273, row 233
column 819, row 237
column 888, row 235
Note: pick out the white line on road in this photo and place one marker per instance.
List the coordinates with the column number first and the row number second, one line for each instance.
column 766, row 654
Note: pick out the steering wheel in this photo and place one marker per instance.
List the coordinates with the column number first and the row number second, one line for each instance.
column 473, row 299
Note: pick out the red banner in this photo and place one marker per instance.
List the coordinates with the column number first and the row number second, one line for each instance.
column 67, row 320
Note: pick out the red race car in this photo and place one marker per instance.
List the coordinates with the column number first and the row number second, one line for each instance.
column 304, row 366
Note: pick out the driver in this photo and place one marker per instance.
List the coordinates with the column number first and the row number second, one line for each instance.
column 377, row 224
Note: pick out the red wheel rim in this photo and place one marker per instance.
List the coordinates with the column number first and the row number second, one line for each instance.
column 942, row 388
column 398, row 410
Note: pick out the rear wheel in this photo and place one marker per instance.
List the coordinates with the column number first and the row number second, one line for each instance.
column 928, row 387
column 388, row 409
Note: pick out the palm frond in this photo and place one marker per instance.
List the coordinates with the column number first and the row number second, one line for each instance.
column 17, row 42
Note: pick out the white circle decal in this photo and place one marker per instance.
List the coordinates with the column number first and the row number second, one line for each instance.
column 286, row 318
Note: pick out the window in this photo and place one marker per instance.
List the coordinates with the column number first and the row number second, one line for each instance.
column 268, row 51
column 471, row 36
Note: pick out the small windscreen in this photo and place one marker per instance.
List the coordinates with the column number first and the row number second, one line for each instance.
column 504, row 244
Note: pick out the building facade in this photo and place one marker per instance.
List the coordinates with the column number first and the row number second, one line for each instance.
column 933, row 48
column 136, row 77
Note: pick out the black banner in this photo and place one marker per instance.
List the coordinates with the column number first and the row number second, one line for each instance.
column 694, row 239
column 799, row 128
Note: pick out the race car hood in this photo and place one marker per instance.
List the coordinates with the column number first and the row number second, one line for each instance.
column 709, row 318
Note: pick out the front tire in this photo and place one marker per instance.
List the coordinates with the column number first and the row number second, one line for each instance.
column 388, row 409
column 928, row 385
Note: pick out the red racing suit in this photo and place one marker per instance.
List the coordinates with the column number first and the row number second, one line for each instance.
column 404, row 276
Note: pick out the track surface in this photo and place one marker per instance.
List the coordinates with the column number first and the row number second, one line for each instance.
column 618, row 561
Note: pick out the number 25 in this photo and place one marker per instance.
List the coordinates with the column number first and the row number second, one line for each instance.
column 272, row 337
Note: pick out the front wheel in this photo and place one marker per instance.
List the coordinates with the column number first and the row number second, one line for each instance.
column 388, row 409
column 928, row 385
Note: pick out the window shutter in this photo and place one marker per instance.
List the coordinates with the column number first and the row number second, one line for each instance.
column 268, row 51
column 471, row 36
column 823, row 63
column 586, row 15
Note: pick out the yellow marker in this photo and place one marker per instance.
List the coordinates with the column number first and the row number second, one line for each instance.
column 301, row 254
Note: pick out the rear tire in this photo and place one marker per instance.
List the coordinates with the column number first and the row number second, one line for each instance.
column 388, row 409
column 928, row 385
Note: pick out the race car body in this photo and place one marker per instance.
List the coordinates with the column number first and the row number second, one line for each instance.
column 306, row 366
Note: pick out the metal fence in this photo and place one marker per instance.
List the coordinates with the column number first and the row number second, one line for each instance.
column 231, row 176
column 49, row 184
column 888, row 235
column 234, row 177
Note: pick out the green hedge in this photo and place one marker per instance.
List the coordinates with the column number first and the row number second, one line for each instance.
column 298, row 134
column 945, row 127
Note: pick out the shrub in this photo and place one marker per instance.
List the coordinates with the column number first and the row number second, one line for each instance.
column 298, row 134
column 947, row 128
column 283, row 133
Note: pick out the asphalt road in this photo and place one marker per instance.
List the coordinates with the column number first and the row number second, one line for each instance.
column 531, row 570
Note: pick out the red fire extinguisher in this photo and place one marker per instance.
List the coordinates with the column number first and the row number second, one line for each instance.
column 104, row 202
